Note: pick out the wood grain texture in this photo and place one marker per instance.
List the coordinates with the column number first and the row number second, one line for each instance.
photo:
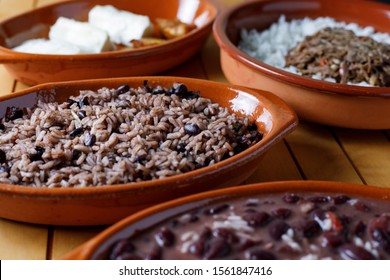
column 370, row 153
column 66, row 239
column 7, row 82
column 20, row 241
column 10, row 8
column 319, row 156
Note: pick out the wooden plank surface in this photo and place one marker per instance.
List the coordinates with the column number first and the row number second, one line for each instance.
column 19, row 240
column 311, row 152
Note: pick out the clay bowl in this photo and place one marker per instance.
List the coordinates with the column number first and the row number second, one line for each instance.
column 108, row 204
column 97, row 247
column 33, row 69
column 313, row 100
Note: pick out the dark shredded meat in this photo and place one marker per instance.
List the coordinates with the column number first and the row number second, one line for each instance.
column 339, row 54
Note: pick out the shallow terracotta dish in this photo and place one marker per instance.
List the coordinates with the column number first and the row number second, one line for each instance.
column 313, row 100
column 98, row 246
column 36, row 68
column 108, row 204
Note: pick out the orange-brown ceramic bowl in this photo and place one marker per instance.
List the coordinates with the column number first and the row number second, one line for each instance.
column 108, row 204
column 313, row 100
column 94, row 248
column 39, row 68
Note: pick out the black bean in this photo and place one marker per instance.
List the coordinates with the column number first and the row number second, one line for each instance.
column 90, row 140
column 121, row 247
column 165, row 237
column 281, row 213
column 198, row 247
column 192, row 95
column 352, row 252
column 40, row 150
column 257, row 219
column 122, row 89
column 226, row 234
column 159, row 90
column 277, row 229
column 217, row 248
column 38, row 155
column 76, row 132
column 71, row 102
column 3, row 156
column 192, row 129
column 360, row 229
column 252, row 127
column 259, row 254
column 84, row 102
column 340, row 199
column 255, row 136
column 207, row 161
column 13, row 113
column 242, row 144
column 291, row 198
column 311, row 229
column 361, row 206
column 382, row 237
column 76, row 154
column 2, row 127
column 344, row 219
column 180, row 89
column 82, row 114
column 146, row 86
column 171, row 90
column 216, row 209
column 193, row 219
column 332, row 239
column 319, row 199
column 181, row 147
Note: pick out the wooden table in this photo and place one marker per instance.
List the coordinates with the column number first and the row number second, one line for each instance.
column 311, row 152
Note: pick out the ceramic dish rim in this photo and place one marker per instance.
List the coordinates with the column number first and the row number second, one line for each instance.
column 163, row 183
column 90, row 247
column 284, row 76
column 7, row 55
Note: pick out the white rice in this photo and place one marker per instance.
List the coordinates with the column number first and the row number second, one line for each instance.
column 272, row 45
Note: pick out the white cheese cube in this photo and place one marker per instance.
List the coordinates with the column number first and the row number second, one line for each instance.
column 121, row 26
column 81, row 34
column 43, row 46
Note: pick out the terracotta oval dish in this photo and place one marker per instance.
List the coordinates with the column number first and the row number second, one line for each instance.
column 40, row 68
column 318, row 101
column 107, row 204
column 235, row 226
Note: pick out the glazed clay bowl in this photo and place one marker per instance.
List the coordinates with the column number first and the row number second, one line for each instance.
column 317, row 101
column 33, row 69
column 108, row 204
column 135, row 225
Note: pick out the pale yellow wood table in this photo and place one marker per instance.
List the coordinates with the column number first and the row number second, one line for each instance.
column 311, row 152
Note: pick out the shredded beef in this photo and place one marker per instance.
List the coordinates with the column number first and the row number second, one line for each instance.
column 339, row 54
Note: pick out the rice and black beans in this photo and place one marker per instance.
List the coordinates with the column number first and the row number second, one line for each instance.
column 115, row 136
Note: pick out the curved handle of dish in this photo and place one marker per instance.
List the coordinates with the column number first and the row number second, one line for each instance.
column 76, row 254
column 287, row 118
